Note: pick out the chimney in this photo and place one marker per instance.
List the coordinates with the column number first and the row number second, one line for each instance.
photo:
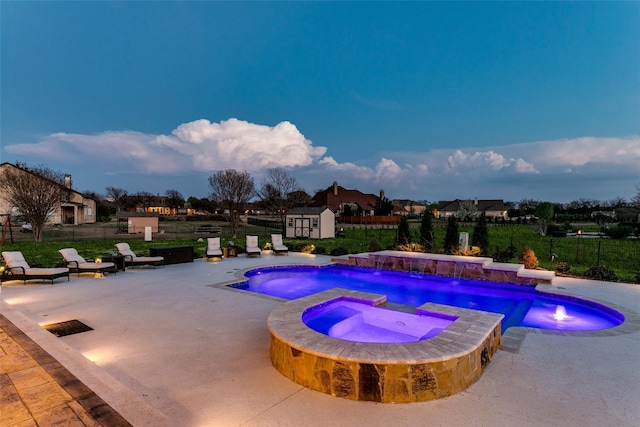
column 67, row 181
column 382, row 194
column 475, row 201
column 335, row 188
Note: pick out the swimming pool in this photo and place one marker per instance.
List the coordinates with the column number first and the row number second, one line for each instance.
column 521, row 305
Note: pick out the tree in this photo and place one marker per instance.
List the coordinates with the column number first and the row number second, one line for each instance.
column 299, row 198
column 427, row 237
column 383, row 207
column 117, row 196
column 527, row 206
column 174, row 199
column 544, row 212
column 480, row 237
column 142, row 199
column 201, row 205
column 35, row 191
column 102, row 206
column 451, row 241
column 404, row 233
column 467, row 210
column 276, row 186
column 635, row 200
column 232, row 190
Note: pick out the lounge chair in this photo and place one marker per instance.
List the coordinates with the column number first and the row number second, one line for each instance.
column 252, row 246
column 134, row 260
column 213, row 247
column 77, row 264
column 277, row 246
column 18, row 269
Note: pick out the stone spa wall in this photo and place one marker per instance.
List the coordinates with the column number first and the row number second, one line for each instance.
column 388, row 373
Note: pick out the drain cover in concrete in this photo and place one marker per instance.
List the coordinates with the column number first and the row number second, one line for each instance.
column 69, row 327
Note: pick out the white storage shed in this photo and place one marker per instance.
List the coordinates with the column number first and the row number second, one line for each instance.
column 310, row 223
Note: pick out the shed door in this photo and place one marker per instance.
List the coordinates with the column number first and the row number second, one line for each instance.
column 302, row 227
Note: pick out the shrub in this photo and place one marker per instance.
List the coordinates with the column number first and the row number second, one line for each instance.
column 320, row 250
column 619, row 232
column 404, row 233
column 373, row 246
column 480, row 235
column 504, row 255
column 451, row 235
column 528, row 258
column 298, row 247
column 338, row 251
column 600, row 272
column 427, row 235
column 563, row 267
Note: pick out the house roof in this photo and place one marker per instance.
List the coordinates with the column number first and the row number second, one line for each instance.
column 496, row 205
column 309, row 210
column 71, row 190
column 335, row 196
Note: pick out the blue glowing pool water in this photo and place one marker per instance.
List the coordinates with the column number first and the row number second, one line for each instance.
column 350, row 320
column 521, row 305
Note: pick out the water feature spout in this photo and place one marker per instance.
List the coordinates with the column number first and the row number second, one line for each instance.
column 561, row 313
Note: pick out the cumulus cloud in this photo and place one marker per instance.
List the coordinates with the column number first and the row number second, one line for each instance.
column 568, row 153
column 199, row 145
column 388, row 171
column 359, row 172
column 460, row 162
column 197, row 148
column 242, row 145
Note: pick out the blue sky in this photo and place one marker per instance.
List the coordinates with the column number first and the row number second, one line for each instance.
column 426, row 100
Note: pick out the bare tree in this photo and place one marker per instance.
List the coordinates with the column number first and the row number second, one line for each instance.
column 635, row 200
column 174, row 199
column 617, row 202
column 117, row 197
column 143, row 199
column 35, row 191
column 232, row 190
column 276, row 186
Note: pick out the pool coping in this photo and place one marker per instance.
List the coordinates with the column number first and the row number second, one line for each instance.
column 467, row 332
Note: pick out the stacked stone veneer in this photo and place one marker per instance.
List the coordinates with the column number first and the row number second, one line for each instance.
column 390, row 373
column 449, row 265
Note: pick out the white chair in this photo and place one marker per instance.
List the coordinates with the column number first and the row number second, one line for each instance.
column 213, row 247
column 133, row 260
column 77, row 264
column 17, row 268
column 252, row 246
column 277, row 246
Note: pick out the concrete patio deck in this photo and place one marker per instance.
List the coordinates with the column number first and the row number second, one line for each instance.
column 172, row 347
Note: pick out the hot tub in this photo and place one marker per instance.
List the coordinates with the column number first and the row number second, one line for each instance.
column 425, row 361
column 353, row 320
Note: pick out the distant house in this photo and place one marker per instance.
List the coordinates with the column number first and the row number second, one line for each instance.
column 604, row 214
column 491, row 208
column 310, row 223
column 337, row 197
column 406, row 207
column 78, row 209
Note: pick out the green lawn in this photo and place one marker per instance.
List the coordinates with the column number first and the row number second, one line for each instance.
column 94, row 241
